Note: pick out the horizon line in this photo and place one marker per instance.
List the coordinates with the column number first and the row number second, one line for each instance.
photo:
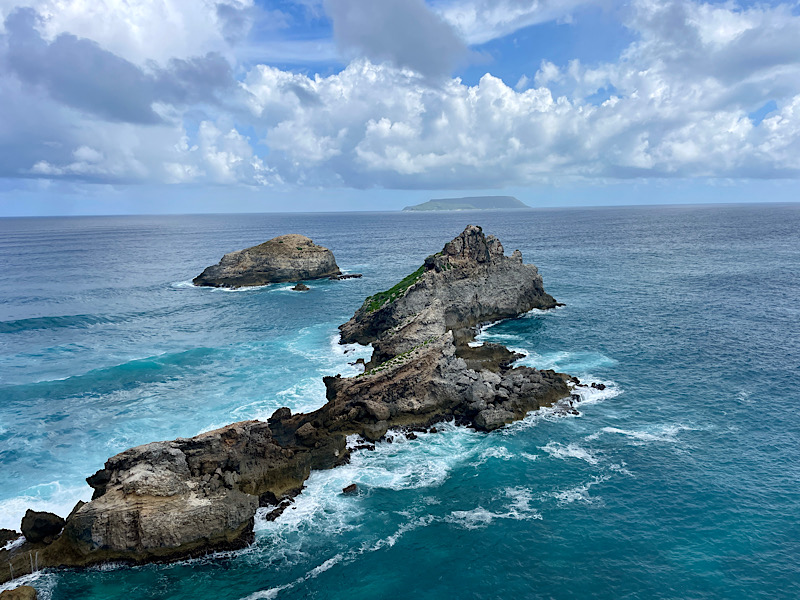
column 401, row 210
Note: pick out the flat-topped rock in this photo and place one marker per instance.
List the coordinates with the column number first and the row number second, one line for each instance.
column 285, row 258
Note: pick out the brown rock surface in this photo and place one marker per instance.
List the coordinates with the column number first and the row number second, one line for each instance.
column 23, row 592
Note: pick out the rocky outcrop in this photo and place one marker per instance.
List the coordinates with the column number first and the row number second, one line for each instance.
column 469, row 282
column 192, row 495
column 183, row 498
column 23, row 592
column 41, row 526
column 169, row 500
column 290, row 257
column 6, row 536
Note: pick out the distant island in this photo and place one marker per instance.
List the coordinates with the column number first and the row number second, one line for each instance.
column 469, row 203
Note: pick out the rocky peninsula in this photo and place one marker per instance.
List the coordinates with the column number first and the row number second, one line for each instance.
column 169, row 500
column 285, row 258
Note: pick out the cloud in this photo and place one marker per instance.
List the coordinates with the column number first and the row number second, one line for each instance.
column 675, row 104
column 480, row 21
column 141, row 31
column 374, row 125
column 82, row 75
column 74, row 110
column 78, row 72
column 404, row 32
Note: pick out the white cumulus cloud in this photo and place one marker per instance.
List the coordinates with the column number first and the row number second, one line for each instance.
column 676, row 103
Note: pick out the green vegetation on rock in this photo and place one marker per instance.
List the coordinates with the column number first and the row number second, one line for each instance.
column 393, row 293
column 397, row 360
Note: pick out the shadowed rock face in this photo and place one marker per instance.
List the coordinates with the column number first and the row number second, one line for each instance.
column 7, row 535
column 169, row 500
column 41, row 526
column 290, row 257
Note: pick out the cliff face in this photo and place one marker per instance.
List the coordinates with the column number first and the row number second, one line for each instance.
column 290, row 257
column 169, row 500
column 469, row 282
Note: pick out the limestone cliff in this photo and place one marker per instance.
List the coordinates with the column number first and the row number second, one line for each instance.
column 469, row 282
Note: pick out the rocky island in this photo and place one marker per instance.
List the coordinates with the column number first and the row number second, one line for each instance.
column 169, row 500
column 290, row 257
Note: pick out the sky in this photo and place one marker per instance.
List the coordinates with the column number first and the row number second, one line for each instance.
column 183, row 106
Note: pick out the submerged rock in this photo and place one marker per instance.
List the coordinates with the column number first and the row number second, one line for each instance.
column 286, row 258
column 301, row 287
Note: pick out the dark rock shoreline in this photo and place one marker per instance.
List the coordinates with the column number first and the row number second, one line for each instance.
column 187, row 497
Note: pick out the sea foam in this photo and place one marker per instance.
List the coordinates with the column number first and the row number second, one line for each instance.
column 663, row 433
column 571, row 450
column 48, row 497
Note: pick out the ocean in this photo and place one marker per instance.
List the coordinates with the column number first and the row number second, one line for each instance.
column 680, row 480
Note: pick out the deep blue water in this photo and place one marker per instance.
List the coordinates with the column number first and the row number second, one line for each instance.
column 681, row 480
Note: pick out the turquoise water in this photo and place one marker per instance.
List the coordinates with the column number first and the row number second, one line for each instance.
column 680, row 480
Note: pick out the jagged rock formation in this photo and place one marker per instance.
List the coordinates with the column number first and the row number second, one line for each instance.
column 169, row 500
column 6, row 536
column 187, row 497
column 290, row 257
column 469, row 282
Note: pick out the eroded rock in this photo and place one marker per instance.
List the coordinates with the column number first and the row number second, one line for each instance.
column 41, row 526
column 8, row 535
column 23, row 592
column 285, row 258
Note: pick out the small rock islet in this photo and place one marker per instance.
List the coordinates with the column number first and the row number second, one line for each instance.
column 286, row 258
